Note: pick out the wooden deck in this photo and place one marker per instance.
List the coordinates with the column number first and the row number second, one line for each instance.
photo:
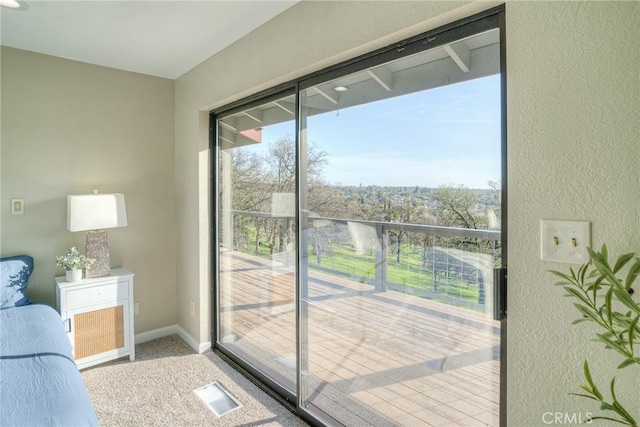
column 374, row 358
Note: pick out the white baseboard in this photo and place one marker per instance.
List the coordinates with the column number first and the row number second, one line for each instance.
column 156, row 333
column 199, row 347
column 173, row 330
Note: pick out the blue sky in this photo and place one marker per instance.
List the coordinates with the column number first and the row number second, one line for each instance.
column 444, row 135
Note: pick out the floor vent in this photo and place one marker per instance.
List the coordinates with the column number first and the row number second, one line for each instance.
column 217, row 398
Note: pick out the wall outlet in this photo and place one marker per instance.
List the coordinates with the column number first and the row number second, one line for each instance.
column 192, row 308
column 136, row 308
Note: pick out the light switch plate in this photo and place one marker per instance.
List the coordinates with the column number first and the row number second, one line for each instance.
column 17, row 206
column 565, row 241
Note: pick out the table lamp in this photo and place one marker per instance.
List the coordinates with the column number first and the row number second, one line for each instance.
column 93, row 213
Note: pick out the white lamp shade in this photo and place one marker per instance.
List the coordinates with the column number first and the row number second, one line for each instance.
column 95, row 211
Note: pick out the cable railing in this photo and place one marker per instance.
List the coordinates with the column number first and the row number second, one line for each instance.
column 452, row 265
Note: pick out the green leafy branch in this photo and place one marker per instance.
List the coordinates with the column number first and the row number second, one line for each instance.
column 595, row 394
column 600, row 293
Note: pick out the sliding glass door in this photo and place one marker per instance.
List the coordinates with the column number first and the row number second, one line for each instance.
column 359, row 227
column 400, row 237
column 256, row 237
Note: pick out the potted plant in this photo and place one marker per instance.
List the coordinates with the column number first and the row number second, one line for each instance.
column 73, row 262
column 604, row 299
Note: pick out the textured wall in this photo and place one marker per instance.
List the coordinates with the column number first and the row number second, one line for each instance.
column 69, row 128
column 573, row 153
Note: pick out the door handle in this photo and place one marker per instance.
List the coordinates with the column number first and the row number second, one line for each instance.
column 499, row 293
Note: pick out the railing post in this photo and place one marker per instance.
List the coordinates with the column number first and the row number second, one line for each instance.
column 381, row 258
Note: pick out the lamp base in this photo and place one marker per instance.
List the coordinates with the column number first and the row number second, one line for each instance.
column 98, row 249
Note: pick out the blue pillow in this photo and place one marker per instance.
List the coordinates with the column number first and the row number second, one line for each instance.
column 14, row 277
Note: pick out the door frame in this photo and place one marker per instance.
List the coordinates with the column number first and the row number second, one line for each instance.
column 486, row 20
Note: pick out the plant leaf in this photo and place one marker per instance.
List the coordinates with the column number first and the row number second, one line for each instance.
column 599, row 280
column 632, row 275
column 628, row 362
column 587, row 389
column 612, row 419
column 613, row 280
column 595, row 285
column 607, row 304
column 623, row 320
column 589, row 313
column 573, row 274
column 616, row 346
column 616, row 405
column 587, row 375
column 583, row 395
column 612, row 387
column 562, row 276
column 626, row 299
column 582, row 272
column 632, row 331
column 622, row 261
column 574, row 292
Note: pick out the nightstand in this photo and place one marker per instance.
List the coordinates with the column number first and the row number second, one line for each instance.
column 98, row 316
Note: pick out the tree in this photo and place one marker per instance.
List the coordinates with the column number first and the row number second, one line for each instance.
column 246, row 171
column 456, row 206
column 403, row 209
column 256, row 177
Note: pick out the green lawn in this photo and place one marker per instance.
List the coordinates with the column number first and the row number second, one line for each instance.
column 409, row 272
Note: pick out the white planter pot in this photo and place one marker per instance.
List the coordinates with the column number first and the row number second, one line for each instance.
column 73, row 275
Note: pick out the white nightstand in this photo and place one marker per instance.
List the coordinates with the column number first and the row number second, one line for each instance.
column 98, row 316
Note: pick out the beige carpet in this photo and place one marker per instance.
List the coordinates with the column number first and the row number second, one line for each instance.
column 157, row 390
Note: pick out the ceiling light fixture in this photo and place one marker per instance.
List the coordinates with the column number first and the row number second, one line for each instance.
column 340, row 89
column 12, row 4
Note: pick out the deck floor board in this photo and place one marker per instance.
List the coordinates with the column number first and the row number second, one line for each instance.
column 374, row 358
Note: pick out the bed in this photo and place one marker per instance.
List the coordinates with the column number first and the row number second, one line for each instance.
column 40, row 384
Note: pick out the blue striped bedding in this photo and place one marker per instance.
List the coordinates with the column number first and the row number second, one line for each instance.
column 39, row 382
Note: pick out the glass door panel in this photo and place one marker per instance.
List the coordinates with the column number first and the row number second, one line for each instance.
column 400, row 233
column 256, row 238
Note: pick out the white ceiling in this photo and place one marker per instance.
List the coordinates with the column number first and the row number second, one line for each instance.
column 159, row 38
